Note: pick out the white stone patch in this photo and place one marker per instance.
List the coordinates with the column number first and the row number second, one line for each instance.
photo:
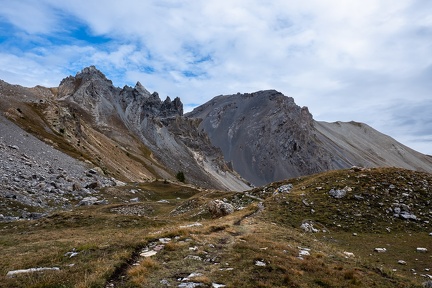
column 192, row 225
column 164, row 240
column 348, row 254
column 30, row 270
column 148, row 253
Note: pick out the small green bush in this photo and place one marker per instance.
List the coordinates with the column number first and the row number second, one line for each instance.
column 180, row 176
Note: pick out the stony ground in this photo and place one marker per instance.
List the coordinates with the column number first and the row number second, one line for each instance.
column 36, row 178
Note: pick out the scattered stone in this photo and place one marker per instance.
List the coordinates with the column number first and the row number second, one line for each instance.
column 30, row 270
column 421, row 250
column 193, row 257
column 92, row 185
column 380, row 250
column 348, row 254
column 164, row 282
column 134, row 200
column 148, row 253
column 354, row 234
column 402, row 262
column 308, row 227
column 284, row 188
column 13, row 147
column 216, row 285
column 219, row 208
column 226, row 269
column 164, row 240
column 71, row 254
column 189, row 285
column 260, row 263
column 88, row 201
column 191, row 225
column 356, row 169
column 338, row 193
column 163, row 201
column 158, row 247
column 303, row 252
column 192, row 275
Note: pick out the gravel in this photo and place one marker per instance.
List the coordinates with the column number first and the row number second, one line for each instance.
column 36, row 179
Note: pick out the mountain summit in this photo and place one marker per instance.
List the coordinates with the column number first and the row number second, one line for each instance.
column 267, row 137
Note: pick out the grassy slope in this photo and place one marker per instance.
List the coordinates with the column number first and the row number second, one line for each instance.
column 108, row 239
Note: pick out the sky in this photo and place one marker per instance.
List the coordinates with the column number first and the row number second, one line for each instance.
column 346, row 60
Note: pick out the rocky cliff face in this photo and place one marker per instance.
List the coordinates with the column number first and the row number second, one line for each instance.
column 267, row 137
column 128, row 132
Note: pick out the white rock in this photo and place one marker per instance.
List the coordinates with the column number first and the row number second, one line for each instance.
column 189, row 285
column 164, row 240
column 148, row 254
column 192, row 275
column 348, row 254
column 402, row 262
column 308, row 227
column 216, row 285
column 191, row 225
column 193, row 257
column 284, row 188
column 30, row 270
column 380, row 250
column 421, row 249
column 260, row 263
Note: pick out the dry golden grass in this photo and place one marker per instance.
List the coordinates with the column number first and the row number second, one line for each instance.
column 228, row 247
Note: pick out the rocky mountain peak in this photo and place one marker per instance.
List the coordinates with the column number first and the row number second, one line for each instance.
column 141, row 89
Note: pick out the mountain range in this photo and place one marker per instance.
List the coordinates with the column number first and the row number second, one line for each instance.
column 103, row 186
column 228, row 143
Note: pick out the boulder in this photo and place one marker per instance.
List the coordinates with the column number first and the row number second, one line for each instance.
column 284, row 188
column 219, row 208
column 308, row 227
column 338, row 193
column 88, row 201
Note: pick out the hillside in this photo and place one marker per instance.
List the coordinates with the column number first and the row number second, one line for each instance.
column 263, row 243
column 267, row 137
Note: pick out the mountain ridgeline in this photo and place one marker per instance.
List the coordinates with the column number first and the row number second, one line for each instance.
column 267, row 137
column 132, row 135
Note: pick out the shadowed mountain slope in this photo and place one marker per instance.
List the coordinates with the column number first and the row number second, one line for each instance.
column 267, row 137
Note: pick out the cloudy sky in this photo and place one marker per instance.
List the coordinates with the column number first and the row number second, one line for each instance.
column 363, row 60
